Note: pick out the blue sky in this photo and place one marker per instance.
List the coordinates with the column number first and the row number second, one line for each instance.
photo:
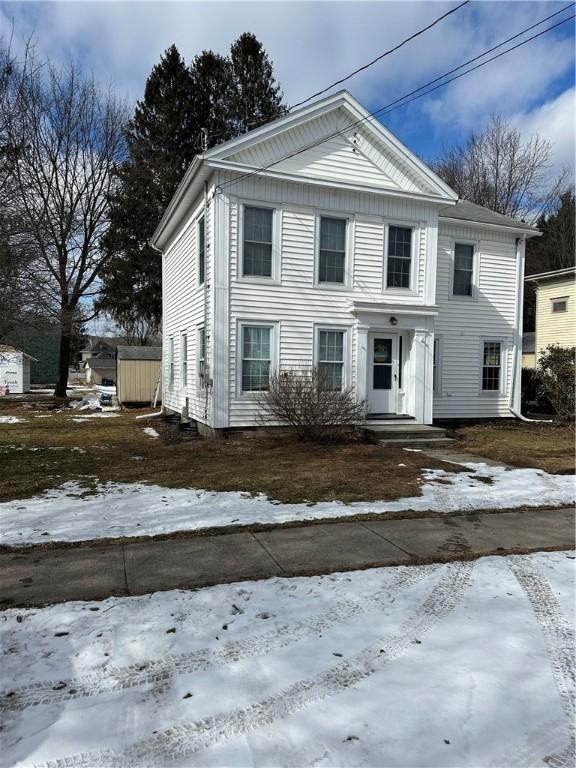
column 313, row 44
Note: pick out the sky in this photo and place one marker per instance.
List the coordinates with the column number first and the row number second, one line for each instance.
column 314, row 43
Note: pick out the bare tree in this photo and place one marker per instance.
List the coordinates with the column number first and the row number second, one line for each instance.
column 499, row 170
column 66, row 137
column 310, row 401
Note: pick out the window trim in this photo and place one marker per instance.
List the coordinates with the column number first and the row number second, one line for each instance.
column 475, row 269
column 557, row 299
column 438, row 344
column 503, row 366
column 184, row 359
column 201, row 359
column 346, row 349
column 274, row 326
column 416, row 229
column 348, row 253
column 275, row 277
column 171, row 371
column 201, row 274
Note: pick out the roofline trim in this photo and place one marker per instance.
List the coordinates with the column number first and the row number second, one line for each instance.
column 531, row 232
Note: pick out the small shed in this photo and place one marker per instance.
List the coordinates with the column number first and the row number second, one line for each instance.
column 14, row 370
column 100, row 371
column 138, row 373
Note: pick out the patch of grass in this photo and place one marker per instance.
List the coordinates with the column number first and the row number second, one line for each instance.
column 39, row 454
column 543, row 446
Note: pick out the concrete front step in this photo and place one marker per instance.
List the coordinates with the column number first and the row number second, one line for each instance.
column 431, row 442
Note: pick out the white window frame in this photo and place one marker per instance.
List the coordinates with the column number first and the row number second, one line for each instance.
column 275, row 278
column 274, row 326
column 346, row 349
column 416, row 228
column 171, row 371
column 503, row 366
column 558, row 299
column 201, row 356
column 348, row 255
column 475, row 269
column 201, row 218
column 184, row 359
column 438, row 345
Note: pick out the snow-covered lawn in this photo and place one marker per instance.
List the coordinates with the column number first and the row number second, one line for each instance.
column 135, row 509
column 10, row 419
column 465, row 664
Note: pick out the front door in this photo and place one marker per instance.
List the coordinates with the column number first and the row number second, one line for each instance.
column 383, row 374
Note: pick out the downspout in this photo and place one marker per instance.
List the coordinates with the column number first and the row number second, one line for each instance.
column 517, row 349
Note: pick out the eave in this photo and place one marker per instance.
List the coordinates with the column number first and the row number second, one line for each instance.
column 486, row 225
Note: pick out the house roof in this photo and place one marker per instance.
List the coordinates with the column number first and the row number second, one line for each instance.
column 8, row 349
column 529, row 343
column 139, row 353
column 464, row 210
column 556, row 274
column 100, row 362
column 108, row 341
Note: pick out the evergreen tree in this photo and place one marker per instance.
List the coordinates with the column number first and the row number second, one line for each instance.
column 220, row 96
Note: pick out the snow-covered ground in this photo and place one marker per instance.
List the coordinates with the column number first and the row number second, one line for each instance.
column 135, row 509
column 466, row 664
column 10, row 419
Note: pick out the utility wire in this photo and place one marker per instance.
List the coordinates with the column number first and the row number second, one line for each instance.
column 382, row 56
column 396, row 105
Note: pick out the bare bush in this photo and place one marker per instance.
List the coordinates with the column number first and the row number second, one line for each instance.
column 556, row 368
column 306, row 399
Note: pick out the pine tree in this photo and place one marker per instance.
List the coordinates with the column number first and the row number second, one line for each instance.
column 221, row 96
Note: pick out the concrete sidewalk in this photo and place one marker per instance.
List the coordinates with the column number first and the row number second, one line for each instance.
column 85, row 572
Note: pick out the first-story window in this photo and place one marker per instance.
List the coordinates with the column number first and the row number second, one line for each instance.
column 330, row 361
column 256, row 357
column 559, row 305
column 399, row 257
column 332, row 251
column 201, row 356
column 436, row 367
column 492, row 366
column 171, row 361
column 201, row 250
column 257, row 246
column 463, row 269
column 184, row 358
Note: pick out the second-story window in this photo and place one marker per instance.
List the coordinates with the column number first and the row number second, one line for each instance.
column 463, row 269
column 257, row 247
column 332, row 252
column 399, row 261
column 201, row 250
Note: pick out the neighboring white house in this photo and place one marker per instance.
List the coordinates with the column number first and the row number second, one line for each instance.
column 14, row 370
column 320, row 237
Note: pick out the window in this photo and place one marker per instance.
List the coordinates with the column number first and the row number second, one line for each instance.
column 400, row 361
column 331, row 359
column 399, row 262
column 184, row 358
column 436, row 367
column 257, row 253
column 491, row 366
column 332, row 251
column 202, row 356
column 171, row 362
column 559, row 305
column 463, row 269
column 256, row 358
column 201, row 250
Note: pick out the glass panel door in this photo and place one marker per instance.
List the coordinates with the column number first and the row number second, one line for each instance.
column 382, row 364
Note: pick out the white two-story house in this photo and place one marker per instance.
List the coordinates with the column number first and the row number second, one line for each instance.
column 319, row 238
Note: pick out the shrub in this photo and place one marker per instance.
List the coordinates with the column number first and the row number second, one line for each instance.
column 556, row 368
column 306, row 400
column 533, row 399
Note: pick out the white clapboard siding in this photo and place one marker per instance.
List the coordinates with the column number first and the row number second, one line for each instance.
column 463, row 324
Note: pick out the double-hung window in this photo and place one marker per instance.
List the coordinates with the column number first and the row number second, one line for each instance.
column 257, row 246
column 492, row 366
column 463, row 277
column 559, row 305
column 332, row 250
column 171, row 362
column 330, row 361
column 201, row 356
column 201, row 250
column 184, row 358
column 436, row 367
column 399, row 257
column 256, row 357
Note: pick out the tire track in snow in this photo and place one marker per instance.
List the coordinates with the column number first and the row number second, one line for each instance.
column 182, row 740
column 159, row 671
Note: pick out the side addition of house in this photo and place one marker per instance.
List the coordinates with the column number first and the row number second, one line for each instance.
column 321, row 239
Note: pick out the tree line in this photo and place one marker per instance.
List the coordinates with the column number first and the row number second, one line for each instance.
column 84, row 182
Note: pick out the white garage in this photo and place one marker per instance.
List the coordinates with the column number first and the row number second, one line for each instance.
column 14, row 370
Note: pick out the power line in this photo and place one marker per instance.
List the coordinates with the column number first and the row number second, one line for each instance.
column 382, row 56
column 392, row 105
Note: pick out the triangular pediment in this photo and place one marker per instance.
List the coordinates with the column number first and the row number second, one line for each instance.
column 333, row 141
